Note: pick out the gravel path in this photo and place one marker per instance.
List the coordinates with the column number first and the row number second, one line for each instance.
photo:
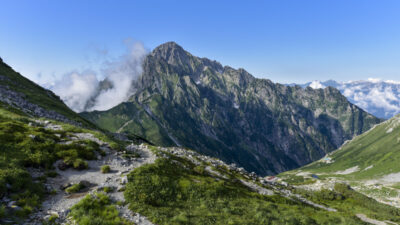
column 304, row 200
column 348, row 171
column 257, row 188
column 61, row 202
column 391, row 178
column 369, row 220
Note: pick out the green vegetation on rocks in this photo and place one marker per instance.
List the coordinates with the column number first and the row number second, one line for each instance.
column 105, row 169
column 26, row 145
column 75, row 188
column 96, row 209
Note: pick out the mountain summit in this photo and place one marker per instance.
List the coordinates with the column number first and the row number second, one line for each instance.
column 170, row 52
column 224, row 112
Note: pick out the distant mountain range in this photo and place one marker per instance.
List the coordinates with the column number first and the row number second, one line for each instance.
column 378, row 97
column 184, row 100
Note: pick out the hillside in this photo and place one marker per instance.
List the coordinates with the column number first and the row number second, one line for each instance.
column 53, row 173
column 183, row 100
column 34, row 100
column 369, row 162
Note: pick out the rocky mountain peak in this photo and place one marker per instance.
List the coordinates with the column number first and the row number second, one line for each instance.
column 227, row 113
column 170, row 52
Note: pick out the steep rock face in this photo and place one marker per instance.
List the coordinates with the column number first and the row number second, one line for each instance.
column 227, row 113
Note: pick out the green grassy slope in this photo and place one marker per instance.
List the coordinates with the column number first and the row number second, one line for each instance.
column 370, row 163
column 37, row 95
column 122, row 118
column 375, row 154
column 174, row 190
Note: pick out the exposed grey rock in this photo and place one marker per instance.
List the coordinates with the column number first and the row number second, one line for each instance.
column 19, row 101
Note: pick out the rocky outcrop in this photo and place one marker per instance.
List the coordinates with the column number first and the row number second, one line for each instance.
column 19, row 101
column 34, row 100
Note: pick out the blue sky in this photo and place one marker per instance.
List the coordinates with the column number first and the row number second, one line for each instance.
column 285, row 41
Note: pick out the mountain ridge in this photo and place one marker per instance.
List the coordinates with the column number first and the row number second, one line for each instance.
column 55, row 173
column 228, row 113
column 33, row 99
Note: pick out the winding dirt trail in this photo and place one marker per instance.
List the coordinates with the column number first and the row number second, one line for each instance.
column 61, row 202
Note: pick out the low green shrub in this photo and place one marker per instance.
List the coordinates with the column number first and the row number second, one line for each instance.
column 75, row 188
column 105, row 169
column 52, row 219
column 131, row 155
column 108, row 189
column 80, row 164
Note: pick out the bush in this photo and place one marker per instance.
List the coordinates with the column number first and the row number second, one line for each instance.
column 80, row 164
column 151, row 187
column 52, row 219
column 131, row 155
column 105, row 169
column 75, row 188
column 108, row 189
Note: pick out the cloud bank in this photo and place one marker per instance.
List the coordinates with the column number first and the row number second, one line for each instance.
column 378, row 97
column 76, row 89
column 82, row 91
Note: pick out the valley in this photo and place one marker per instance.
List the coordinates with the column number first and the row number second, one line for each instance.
column 369, row 163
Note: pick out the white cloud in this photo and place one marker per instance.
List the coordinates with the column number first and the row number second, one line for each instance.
column 316, row 84
column 374, row 95
column 76, row 89
column 374, row 80
column 121, row 73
